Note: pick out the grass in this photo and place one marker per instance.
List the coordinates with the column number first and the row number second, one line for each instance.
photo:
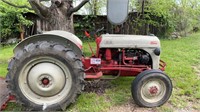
column 5, row 54
column 181, row 56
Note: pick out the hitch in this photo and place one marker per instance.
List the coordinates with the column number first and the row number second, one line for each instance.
column 162, row 65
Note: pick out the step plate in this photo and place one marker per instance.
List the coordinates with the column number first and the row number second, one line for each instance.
column 4, row 93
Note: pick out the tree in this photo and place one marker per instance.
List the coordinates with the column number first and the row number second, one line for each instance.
column 167, row 17
column 96, row 6
column 59, row 15
column 187, row 16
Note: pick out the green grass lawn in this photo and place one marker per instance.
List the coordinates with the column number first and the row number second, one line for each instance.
column 5, row 54
column 181, row 56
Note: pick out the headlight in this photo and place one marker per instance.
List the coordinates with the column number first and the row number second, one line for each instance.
column 157, row 51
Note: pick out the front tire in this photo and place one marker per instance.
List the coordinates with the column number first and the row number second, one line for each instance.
column 151, row 88
column 45, row 76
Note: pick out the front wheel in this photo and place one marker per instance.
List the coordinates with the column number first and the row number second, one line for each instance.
column 151, row 88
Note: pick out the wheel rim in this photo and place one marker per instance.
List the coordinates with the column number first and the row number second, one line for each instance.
column 153, row 90
column 45, row 81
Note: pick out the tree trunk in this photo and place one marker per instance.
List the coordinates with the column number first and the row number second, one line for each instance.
column 60, row 23
column 59, row 15
column 21, row 32
column 95, row 8
column 59, row 20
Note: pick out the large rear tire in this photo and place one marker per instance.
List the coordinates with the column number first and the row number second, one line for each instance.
column 151, row 88
column 45, row 76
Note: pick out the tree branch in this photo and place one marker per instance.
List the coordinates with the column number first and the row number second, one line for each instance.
column 41, row 10
column 11, row 4
column 72, row 10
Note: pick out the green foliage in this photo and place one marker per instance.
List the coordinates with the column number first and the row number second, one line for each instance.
column 94, row 7
column 87, row 23
column 159, row 15
column 187, row 16
column 12, row 18
column 170, row 15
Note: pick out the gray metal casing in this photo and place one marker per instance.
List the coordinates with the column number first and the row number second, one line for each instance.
column 64, row 38
column 146, row 43
column 117, row 11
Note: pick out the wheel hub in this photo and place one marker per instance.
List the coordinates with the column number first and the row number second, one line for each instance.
column 50, row 79
column 153, row 90
column 45, row 81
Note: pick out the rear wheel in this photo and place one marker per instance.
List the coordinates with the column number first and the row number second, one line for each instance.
column 151, row 88
column 45, row 76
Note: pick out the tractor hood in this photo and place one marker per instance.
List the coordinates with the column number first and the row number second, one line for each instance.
column 129, row 41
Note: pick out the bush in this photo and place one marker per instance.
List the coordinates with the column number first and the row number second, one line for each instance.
column 12, row 20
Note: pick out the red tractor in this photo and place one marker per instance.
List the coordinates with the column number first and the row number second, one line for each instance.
column 48, row 70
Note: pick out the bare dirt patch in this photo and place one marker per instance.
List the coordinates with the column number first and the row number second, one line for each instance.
column 197, row 70
column 97, row 86
column 130, row 106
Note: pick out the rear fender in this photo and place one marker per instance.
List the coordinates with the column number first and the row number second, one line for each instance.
column 64, row 38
